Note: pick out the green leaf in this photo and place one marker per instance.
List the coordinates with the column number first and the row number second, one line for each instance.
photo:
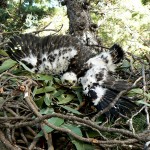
column 81, row 145
column 61, row 97
column 78, row 144
column 55, row 121
column 39, row 101
column 66, row 99
column 136, row 91
column 44, row 77
column 143, row 102
column 71, row 110
column 3, row 53
column 93, row 134
column 45, row 89
column 34, row 90
column 73, row 128
column 46, row 111
column 47, row 99
column 57, row 80
column 25, row 67
column 125, row 64
column 134, row 14
column 147, row 95
column 79, row 96
column 141, row 92
column 58, row 93
column 7, row 64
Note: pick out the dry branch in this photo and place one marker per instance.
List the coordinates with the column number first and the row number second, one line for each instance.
column 20, row 119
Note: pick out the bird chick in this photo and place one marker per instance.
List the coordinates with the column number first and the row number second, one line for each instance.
column 100, row 67
column 69, row 79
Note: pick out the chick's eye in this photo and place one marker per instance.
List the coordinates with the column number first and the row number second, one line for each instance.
column 66, row 81
column 74, row 81
column 106, row 61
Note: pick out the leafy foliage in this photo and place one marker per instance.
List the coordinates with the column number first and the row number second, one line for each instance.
column 118, row 23
column 124, row 22
column 21, row 12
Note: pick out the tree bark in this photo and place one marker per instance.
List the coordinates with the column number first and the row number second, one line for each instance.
column 80, row 24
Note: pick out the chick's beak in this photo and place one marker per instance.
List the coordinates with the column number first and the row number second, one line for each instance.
column 70, row 83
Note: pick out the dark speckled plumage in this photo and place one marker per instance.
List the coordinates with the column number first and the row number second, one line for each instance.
column 57, row 54
column 55, row 48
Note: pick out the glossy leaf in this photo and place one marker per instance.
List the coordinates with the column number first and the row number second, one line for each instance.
column 137, row 91
column 44, row 77
column 34, row 90
column 55, row 121
column 67, row 99
column 143, row 102
column 78, row 144
column 7, row 64
column 25, row 67
column 82, row 146
column 46, row 111
column 58, row 93
column 79, row 96
column 73, row 128
column 3, row 53
column 57, row 80
column 47, row 99
column 71, row 110
column 45, row 89
column 39, row 102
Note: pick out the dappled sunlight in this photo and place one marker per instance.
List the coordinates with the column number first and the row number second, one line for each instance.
column 125, row 22
column 58, row 22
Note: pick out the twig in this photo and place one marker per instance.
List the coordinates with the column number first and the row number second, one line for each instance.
column 10, row 32
column 11, row 111
column 13, row 135
column 31, row 130
column 144, row 79
column 23, row 136
column 130, row 120
column 89, row 140
column 50, row 143
column 34, row 142
column 72, row 118
column 41, row 30
column 7, row 143
column 147, row 117
column 145, row 89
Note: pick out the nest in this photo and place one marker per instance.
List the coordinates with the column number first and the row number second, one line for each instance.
column 39, row 113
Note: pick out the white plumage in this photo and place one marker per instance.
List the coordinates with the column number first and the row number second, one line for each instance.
column 55, row 62
column 99, row 68
column 99, row 93
column 103, row 60
column 50, row 55
column 68, row 57
column 69, row 79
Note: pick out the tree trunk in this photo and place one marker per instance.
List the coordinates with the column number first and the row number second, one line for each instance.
column 80, row 24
